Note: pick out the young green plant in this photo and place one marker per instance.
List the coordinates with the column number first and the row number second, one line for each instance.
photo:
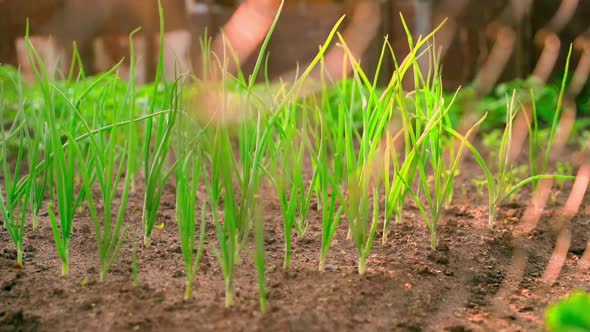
column 35, row 145
column 435, row 173
column 187, row 186
column 500, row 184
column 14, row 206
column 105, row 162
column 361, row 183
column 188, row 175
column 156, row 170
column 331, row 215
column 294, row 195
column 62, row 164
column 220, row 184
column 405, row 167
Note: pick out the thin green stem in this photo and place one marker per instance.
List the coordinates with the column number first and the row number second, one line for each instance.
column 65, row 268
column 19, row 254
column 362, row 268
column 35, row 222
column 188, row 291
column 229, row 297
column 433, row 238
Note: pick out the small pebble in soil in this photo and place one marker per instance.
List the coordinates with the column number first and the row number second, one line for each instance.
column 438, row 258
column 91, row 304
column 457, row 328
column 85, row 229
column 477, row 318
column 10, row 254
column 442, row 246
column 304, row 241
column 442, row 260
column 526, row 308
column 426, row 270
column 7, row 287
column 59, row 292
column 159, row 297
column 331, row 268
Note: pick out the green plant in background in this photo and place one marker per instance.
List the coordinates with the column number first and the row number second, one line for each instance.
column 569, row 314
column 563, row 168
column 35, row 142
column 479, row 183
column 491, row 141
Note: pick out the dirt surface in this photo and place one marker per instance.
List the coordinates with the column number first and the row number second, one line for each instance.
column 467, row 284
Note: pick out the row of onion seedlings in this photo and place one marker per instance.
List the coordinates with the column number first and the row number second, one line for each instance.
column 89, row 138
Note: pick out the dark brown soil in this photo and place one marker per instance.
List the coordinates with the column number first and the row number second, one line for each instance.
column 462, row 286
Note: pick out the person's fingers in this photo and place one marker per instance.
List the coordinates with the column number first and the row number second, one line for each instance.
column 244, row 31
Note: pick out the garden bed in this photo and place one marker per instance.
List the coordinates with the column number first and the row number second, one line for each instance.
column 142, row 191
column 464, row 285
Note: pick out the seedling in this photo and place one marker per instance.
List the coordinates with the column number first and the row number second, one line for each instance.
column 35, row 144
column 405, row 167
column 293, row 192
column 330, row 213
column 14, row 205
column 155, row 164
column 105, row 163
column 220, row 182
column 501, row 184
column 188, row 175
column 438, row 187
column 360, row 180
column 62, row 164
column 187, row 185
